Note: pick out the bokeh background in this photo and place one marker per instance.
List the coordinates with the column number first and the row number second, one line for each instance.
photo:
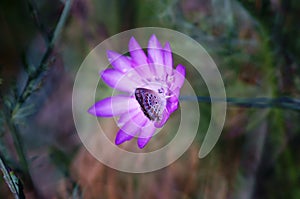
column 255, row 44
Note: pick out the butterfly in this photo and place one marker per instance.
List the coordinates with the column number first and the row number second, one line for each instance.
column 153, row 105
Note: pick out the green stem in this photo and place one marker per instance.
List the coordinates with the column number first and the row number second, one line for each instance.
column 20, row 153
column 41, row 67
column 11, row 180
column 27, row 90
column 19, row 146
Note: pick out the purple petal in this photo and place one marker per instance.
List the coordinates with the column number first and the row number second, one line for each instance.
column 113, row 106
column 155, row 51
column 176, row 92
column 146, row 134
column 122, row 137
column 172, row 104
column 179, row 77
column 118, row 61
column 118, row 80
column 140, row 119
column 168, row 60
column 139, row 58
column 158, row 70
column 136, row 52
column 124, row 65
column 124, row 118
column 156, row 56
column 131, row 128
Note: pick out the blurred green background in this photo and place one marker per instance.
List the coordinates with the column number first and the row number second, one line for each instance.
column 255, row 44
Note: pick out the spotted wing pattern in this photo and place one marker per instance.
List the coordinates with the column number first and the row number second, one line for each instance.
column 151, row 103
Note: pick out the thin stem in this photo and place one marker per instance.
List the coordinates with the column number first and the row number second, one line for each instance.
column 11, row 180
column 29, row 88
column 18, row 146
column 26, row 91
column 61, row 22
column 17, row 141
column 259, row 102
column 43, row 63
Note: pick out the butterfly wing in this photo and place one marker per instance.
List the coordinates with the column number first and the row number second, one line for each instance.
column 152, row 104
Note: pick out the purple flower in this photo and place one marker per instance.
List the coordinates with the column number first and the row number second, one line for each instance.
column 152, row 89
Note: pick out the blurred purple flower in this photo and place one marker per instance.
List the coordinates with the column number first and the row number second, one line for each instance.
column 153, row 87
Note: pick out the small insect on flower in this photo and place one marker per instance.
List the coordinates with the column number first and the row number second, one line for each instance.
column 152, row 89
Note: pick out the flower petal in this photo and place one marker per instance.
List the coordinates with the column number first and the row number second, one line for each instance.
column 129, row 130
column 156, row 56
column 139, row 59
column 155, row 51
column 118, row 61
column 179, row 77
column 140, row 119
column 168, row 60
column 136, row 52
column 172, row 104
column 131, row 127
column 124, row 118
column 146, row 134
column 113, row 106
column 176, row 92
column 124, row 64
column 122, row 137
column 118, row 80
